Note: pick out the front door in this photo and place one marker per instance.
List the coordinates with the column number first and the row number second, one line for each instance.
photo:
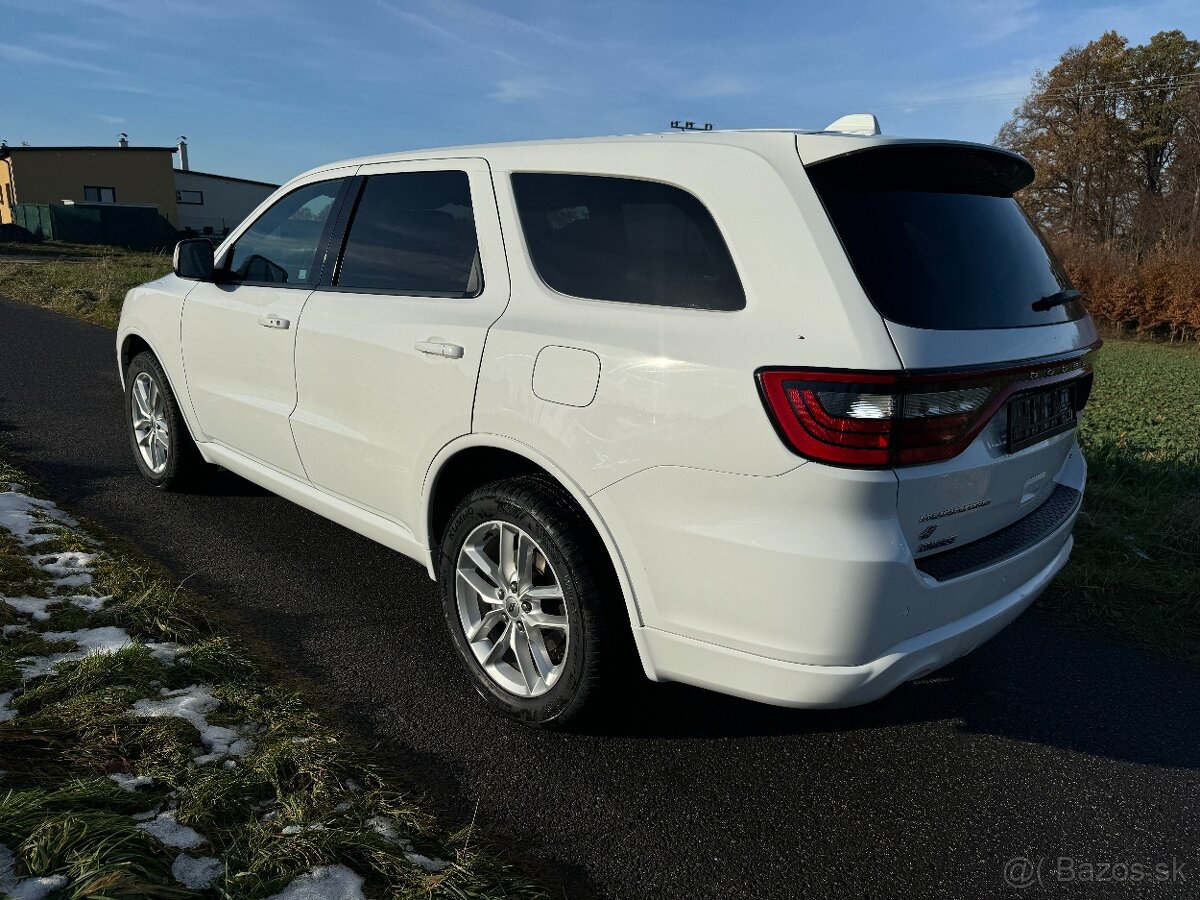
column 387, row 356
column 239, row 333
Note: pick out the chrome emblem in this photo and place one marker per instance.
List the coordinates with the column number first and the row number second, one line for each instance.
column 927, row 532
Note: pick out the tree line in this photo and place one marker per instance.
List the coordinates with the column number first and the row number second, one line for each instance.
column 1113, row 132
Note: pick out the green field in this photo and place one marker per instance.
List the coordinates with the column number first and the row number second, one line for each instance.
column 1136, row 566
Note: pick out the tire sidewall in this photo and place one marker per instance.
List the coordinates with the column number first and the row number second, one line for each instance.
column 146, row 363
column 561, row 700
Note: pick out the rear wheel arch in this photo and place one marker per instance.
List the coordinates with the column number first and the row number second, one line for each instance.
column 468, row 464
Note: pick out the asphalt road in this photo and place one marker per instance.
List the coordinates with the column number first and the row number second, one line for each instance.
column 1042, row 744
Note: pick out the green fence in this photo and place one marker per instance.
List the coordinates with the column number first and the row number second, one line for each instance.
column 136, row 227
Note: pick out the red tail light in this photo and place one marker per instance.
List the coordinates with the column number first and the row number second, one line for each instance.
column 880, row 420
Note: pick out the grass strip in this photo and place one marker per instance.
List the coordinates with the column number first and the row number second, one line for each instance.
column 103, row 794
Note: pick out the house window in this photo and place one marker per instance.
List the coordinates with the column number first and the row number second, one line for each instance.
column 93, row 194
column 193, row 198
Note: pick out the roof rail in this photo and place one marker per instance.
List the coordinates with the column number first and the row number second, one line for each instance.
column 855, row 123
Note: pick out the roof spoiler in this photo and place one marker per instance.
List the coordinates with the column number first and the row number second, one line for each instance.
column 855, row 123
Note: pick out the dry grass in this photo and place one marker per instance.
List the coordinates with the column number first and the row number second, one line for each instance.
column 82, row 280
column 308, row 793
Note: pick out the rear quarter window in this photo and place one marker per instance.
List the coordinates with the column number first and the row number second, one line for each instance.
column 625, row 240
column 938, row 241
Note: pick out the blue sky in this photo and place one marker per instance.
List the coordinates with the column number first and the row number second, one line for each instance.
column 266, row 88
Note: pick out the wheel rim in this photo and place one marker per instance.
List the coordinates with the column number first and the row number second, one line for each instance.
column 511, row 608
column 147, row 406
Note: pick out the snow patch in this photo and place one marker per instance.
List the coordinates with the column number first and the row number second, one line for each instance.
column 72, row 562
column 131, row 782
column 389, row 830
column 33, row 888
column 21, row 514
column 170, row 832
column 38, row 607
column 6, row 714
column 193, row 704
column 89, row 604
column 165, row 652
column 298, row 829
column 14, row 629
column 197, row 873
column 90, row 641
column 324, row 883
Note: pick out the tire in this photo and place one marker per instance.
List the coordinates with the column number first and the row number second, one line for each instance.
column 153, row 419
column 562, row 551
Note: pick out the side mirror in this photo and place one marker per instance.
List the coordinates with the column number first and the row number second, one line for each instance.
column 194, row 259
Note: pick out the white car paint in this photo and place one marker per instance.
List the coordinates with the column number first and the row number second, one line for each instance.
column 745, row 568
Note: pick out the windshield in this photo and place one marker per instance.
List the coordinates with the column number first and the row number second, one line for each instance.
column 938, row 241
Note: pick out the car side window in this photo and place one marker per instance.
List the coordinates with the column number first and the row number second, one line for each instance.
column 284, row 243
column 622, row 239
column 413, row 233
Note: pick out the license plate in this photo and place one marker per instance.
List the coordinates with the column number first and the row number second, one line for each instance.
column 1037, row 416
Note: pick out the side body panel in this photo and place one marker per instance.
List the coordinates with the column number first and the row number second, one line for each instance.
column 373, row 409
column 677, row 386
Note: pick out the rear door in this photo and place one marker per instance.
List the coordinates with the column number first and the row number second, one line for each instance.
column 966, row 284
column 239, row 333
column 388, row 353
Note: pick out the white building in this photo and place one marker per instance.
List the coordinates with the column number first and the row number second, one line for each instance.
column 214, row 204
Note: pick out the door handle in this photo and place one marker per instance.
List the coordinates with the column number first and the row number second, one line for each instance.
column 436, row 347
column 273, row 322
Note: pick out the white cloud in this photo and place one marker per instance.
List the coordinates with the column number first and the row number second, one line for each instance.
column 19, row 54
column 518, row 90
column 711, row 86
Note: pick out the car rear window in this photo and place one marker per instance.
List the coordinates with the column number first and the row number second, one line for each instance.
column 938, row 241
column 621, row 239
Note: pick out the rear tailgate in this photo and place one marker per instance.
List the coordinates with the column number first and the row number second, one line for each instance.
column 971, row 295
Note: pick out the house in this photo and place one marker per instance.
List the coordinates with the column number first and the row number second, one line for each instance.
column 120, row 176
column 214, row 204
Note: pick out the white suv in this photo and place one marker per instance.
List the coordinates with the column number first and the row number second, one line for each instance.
column 788, row 415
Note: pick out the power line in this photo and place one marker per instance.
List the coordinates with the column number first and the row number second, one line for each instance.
column 1095, row 89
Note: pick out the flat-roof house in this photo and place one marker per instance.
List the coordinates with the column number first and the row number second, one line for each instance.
column 110, row 176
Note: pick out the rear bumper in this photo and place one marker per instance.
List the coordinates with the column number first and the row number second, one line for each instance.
column 801, row 589
column 799, row 685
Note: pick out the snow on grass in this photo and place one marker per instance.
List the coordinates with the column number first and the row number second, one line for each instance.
column 108, row 639
column 6, row 714
column 197, row 873
column 32, row 888
column 389, row 830
column 22, row 514
column 165, row 652
column 131, row 782
column 324, row 883
column 38, row 607
column 193, row 704
column 172, row 833
column 89, row 604
column 70, row 562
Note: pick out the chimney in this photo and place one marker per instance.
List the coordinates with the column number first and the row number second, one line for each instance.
column 123, row 141
column 183, row 163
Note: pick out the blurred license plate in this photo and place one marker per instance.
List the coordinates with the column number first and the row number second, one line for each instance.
column 1035, row 417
